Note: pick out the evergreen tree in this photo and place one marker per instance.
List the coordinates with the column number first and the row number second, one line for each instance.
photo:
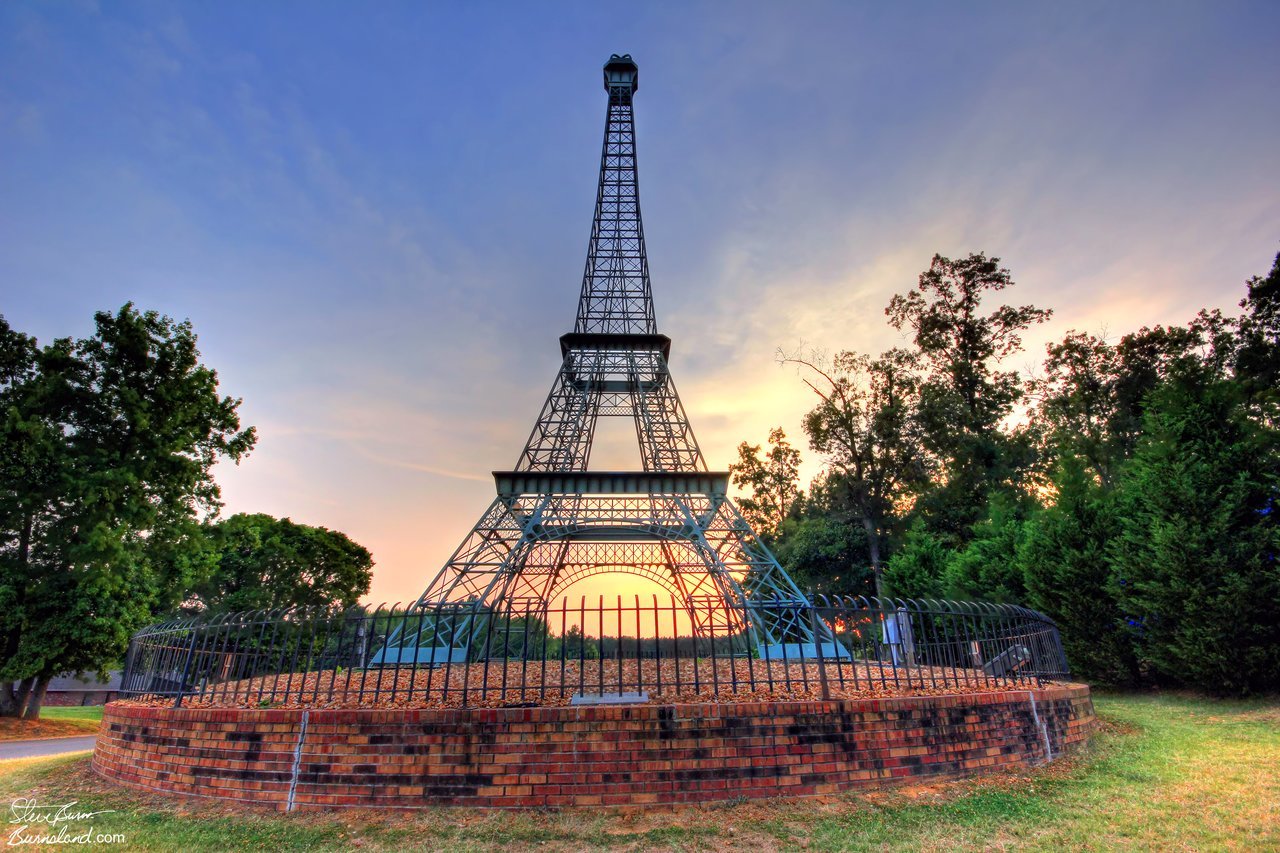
column 1068, row 575
column 916, row 569
column 1195, row 557
column 987, row 568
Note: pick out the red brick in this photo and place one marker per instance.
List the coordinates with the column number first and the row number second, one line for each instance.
column 560, row 756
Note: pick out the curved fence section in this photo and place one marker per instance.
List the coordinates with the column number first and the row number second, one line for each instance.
column 470, row 654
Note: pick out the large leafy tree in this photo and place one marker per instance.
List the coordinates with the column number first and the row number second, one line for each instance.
column 106, row 459
column 773, row 478
column 821, row 549
column 1257, row 359
column 1078, row 412
column 30, row 465
column 865, row 424
column 965, row 397
column 1092, row 394
column 1138, row 507
column 267, row 563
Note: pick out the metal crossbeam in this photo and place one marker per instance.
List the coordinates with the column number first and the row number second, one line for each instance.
column 612, row 482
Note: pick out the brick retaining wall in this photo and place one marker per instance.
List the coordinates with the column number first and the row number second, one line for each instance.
column 582, row 756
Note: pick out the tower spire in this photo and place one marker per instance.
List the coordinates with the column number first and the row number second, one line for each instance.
column 616, row 296
column 615, row 362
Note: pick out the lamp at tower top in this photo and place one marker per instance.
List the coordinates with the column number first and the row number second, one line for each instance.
column 621, row 71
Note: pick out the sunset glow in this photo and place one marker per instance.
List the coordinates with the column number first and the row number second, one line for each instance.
column 378, row 233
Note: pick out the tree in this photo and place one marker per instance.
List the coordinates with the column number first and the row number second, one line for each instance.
column 1068, row 575
column 917, row 568
column 1257, row 360
column 30, row 463
column 964, row 398
column 107, row 451
column 267, row 563
column 1195, row 556
column 1091, row 398
column 573, row 645
column 1079, row 412
column 819, row 547
column 774, row 482
column 865, row 425
column 987, row 567
column 1097, row 404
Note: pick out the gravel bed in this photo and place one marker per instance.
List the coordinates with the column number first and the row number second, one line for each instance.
column 498, row 684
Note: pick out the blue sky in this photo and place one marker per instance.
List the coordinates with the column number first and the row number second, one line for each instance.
column 375, row 214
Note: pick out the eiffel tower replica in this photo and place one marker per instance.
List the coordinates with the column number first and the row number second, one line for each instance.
column 554, row 522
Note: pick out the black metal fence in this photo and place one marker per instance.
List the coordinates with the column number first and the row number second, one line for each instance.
column 472, row 655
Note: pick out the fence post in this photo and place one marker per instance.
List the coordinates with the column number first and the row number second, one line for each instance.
column 906, row 635
column 817, row 644
column 186, row 670
column 130, row 660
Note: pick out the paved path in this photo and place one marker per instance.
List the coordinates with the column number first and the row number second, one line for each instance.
column 45, row 746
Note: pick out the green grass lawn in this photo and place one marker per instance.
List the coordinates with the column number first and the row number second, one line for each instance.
column 1166, row 773
column 92, row 713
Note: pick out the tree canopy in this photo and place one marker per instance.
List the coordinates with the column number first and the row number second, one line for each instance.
column 107, row 447
column 1128, row 488
column 965, row 397
column 267, row 563
column 774, row 480
column 865, row 426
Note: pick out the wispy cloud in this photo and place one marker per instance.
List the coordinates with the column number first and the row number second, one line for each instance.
column 472, row 474
column 376, row 221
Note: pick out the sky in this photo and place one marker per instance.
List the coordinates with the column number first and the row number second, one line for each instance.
column 375, row 215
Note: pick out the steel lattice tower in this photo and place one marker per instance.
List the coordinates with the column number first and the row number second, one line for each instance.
column 554, row 521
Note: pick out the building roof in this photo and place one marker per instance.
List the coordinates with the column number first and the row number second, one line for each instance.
column 89, row 682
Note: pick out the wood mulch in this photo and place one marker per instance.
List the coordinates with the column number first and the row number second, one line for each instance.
column 519, row 683
column 14, row 728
